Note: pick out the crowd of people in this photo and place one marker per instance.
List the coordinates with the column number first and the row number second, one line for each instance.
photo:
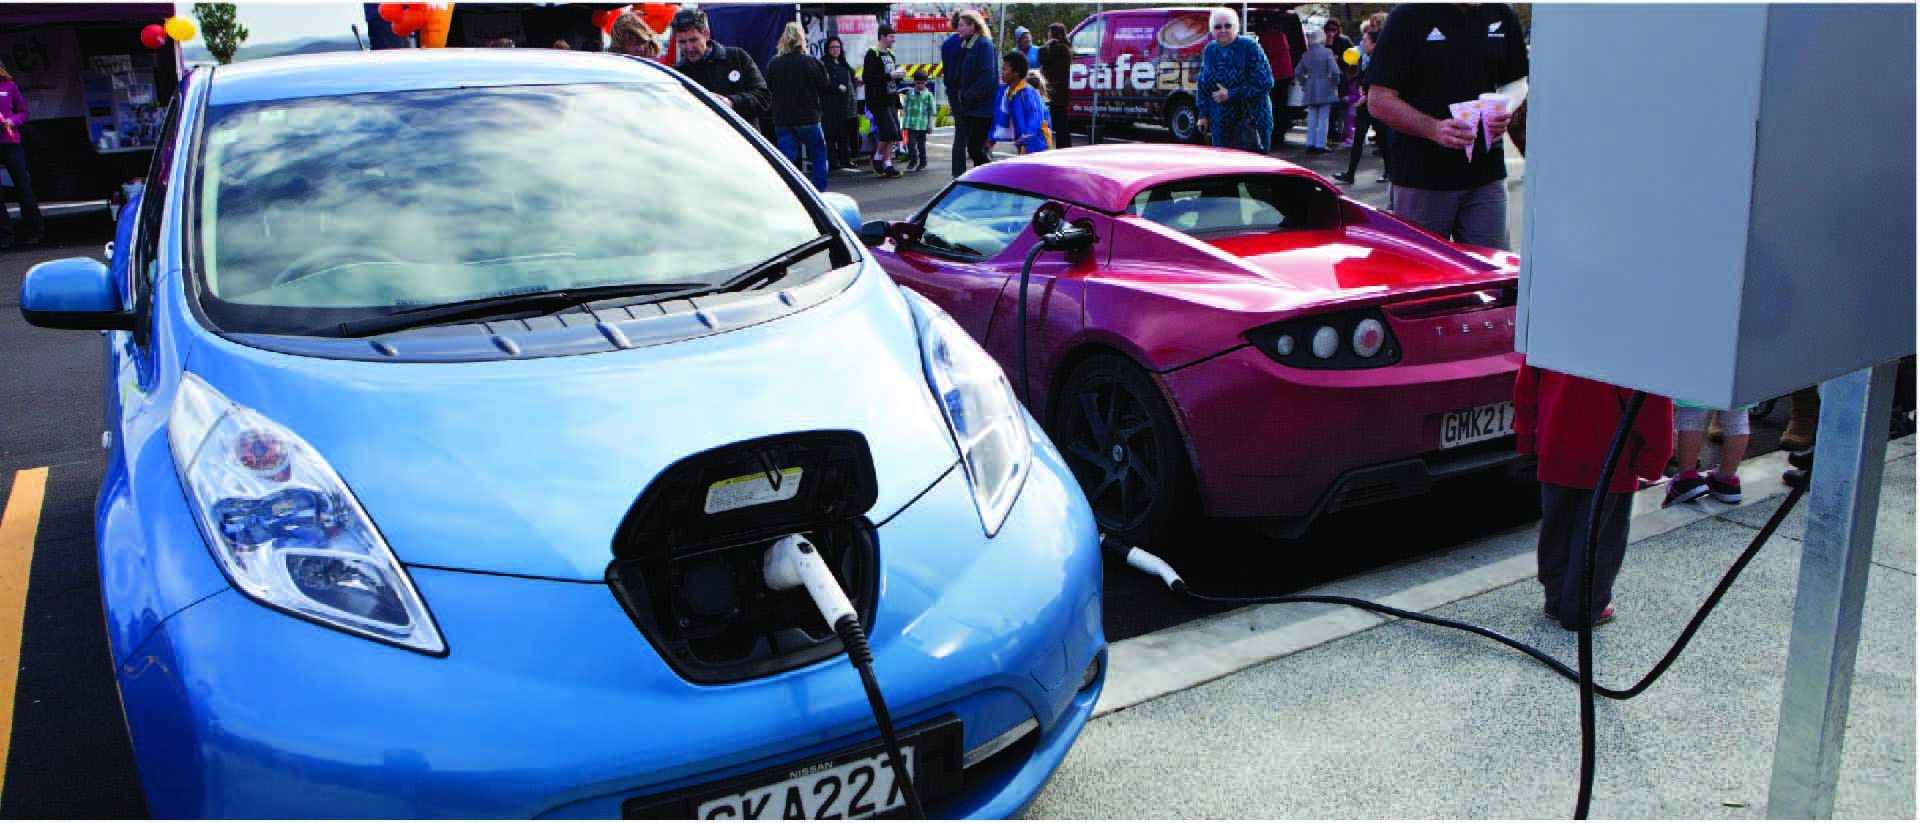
column 1398, row 82
column 814, row 105
column 841, row 112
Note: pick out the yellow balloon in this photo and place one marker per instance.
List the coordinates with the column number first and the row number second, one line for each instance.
column 180, row 29
column 1352, row 56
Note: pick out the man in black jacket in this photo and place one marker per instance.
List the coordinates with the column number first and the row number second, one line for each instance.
column 881, row 73
column 726, row 71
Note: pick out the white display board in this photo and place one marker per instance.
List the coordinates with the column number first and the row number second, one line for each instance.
column 1719, row 198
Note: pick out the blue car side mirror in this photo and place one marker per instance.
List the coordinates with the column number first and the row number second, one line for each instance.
column 847, row 207
column 74, row 293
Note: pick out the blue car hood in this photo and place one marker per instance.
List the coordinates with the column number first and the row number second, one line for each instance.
column 528, row 467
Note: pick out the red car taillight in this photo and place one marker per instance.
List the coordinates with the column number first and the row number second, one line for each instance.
column 1358, row 339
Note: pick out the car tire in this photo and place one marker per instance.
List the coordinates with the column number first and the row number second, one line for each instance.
column 1124, row 447
column 1183, row 120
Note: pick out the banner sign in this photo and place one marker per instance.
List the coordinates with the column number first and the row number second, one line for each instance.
column 906, row 23
column 45, row 63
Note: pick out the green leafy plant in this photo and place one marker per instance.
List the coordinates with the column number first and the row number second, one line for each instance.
column 220, row 26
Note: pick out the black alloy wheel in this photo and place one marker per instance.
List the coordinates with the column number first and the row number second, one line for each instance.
column 1124, row 448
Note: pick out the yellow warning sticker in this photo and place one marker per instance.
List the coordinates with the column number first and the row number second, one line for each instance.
column 752, row 490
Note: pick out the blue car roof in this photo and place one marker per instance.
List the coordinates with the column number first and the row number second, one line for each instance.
column 363, row 72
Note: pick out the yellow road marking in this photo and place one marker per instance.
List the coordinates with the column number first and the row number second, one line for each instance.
column 19, row 522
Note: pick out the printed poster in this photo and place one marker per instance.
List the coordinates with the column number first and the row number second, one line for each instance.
column 45, row 62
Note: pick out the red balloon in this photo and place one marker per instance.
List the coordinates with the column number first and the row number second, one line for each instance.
column 657, row 15
column 406, row 18
column 154, row 36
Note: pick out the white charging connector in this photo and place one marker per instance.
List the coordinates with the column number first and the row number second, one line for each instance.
column 1145, row 561
column 791, row 562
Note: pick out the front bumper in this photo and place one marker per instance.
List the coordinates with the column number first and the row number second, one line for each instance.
column 552, row 704
column 1270, row 441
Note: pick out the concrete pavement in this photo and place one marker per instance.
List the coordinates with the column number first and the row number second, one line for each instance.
column 1310, row 711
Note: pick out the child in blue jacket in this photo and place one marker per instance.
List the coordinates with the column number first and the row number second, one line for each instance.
column 1020, row 111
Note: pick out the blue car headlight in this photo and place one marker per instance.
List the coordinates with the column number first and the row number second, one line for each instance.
column 284, row 526
column 981, row 410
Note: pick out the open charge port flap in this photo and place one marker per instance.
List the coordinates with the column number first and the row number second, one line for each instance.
column 688, row 558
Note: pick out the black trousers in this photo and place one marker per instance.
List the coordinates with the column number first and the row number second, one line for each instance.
column 917, row 147
column 978, row 130
column 1058, row 112
column 1363, row 120
column 15, row 160
column 1561, row 551
column 959, row 152
column 1284, row 116
column 844, row 144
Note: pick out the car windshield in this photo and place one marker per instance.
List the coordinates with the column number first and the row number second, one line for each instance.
column 319, row 211
column 976, row 222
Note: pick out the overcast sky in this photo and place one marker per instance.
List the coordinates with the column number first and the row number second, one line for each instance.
column 280, row 22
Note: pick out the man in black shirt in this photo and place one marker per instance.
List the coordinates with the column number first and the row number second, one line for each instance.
column 726, row 71
column 881, row 73
column 1429, row 57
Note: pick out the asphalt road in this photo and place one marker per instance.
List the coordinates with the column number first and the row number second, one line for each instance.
column 67, row 752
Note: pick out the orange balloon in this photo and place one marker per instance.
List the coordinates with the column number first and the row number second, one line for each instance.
column 437, row 19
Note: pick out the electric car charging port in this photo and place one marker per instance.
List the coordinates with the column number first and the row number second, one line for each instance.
column 689, row 558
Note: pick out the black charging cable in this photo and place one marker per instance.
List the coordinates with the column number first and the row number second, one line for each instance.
column 1151, row 564
column 855, row 639
column 1055, row 235
column 1627, row 417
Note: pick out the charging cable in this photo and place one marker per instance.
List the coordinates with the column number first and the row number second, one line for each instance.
column 1055, row 235
column 1149, row 563
column 793, row 562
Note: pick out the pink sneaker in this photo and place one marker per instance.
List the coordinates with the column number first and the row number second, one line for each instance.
column 1724, row 489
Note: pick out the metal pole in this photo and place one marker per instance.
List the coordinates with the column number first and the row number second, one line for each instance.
column 1093, row 123
column 1835, row 557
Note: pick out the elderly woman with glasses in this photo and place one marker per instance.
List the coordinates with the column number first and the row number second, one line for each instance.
column 1233, row 85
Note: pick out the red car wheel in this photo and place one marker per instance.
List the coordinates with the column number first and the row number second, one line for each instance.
column 1121, row 442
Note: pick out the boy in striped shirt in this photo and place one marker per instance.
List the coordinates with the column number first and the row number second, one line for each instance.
column 918, row 120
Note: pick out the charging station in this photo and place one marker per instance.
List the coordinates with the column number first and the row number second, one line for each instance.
column 1694, row 229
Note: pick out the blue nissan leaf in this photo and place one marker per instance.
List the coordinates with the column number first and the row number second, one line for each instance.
column 454, row 400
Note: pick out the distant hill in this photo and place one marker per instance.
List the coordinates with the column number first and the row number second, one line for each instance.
column 197, row 53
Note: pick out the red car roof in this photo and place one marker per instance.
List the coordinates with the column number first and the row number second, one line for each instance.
column 1107, row 178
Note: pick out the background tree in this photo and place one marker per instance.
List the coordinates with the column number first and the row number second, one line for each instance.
column 220, row 27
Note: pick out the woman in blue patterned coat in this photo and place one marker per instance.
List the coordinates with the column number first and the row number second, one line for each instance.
column 1233, row 85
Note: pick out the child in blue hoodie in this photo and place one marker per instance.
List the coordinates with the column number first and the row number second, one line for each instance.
column 1020, row 111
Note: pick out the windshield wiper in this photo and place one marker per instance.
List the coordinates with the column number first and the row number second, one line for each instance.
column 543, row 302
column 539, row 302
column 775, row 267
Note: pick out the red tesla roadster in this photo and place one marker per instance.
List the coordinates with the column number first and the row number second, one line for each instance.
column 1241, row 337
